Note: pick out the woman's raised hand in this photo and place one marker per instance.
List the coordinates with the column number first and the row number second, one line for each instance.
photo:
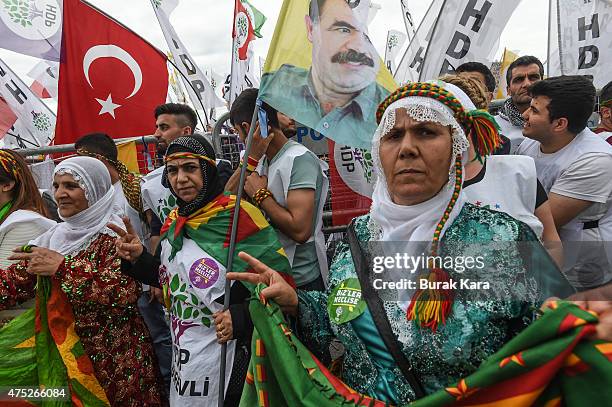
column 40, row 260
column 128, row 244
column 278, row 289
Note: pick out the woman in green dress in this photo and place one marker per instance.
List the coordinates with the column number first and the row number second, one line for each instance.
column 402, row 344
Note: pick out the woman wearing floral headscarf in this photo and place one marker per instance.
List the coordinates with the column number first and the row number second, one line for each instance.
column 401, row 344
column 86, row 335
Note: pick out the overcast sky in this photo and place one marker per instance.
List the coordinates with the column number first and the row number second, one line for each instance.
column 205, row 28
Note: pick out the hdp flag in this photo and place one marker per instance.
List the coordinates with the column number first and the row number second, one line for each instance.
column 36, row 122
column 248, row 22
column 111, row 79
column 32, row 27
column 323, row 71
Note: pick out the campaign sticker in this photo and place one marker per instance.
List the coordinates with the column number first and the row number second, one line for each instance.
column 345, row 302
column 204, row 273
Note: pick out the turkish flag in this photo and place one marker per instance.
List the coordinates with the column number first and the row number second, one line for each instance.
column 243, row 32
column 110, row 80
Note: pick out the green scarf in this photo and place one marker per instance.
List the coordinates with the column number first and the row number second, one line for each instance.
column 6, row 208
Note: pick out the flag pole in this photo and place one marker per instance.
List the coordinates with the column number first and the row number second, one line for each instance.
column 232, row 247
column 548, row 44
column 231, row 87
column 433, row 32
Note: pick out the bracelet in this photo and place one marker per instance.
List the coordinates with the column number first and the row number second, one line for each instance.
column 261, row 194
column 251, row 164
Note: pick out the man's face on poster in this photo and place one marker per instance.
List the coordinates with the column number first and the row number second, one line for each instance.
column 343, row 58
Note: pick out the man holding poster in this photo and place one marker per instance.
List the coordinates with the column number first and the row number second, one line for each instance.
column 336, row 91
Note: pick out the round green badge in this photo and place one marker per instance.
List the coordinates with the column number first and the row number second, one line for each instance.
column 345, row 302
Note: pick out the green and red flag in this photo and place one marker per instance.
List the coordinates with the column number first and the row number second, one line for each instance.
column 210, row 228
column 552, row 363
column 257, row 18
column 40, row 348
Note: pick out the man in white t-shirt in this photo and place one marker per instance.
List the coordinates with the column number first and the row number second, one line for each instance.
column 521, row 74
column 296, row 188
column 604, row 130
column 128, row 200
column 575, row 167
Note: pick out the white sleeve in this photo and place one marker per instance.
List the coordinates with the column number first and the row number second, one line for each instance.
column 587, row 179
column 18, row 235
column 146, row 200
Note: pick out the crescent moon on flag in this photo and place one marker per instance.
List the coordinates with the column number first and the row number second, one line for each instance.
column 113, row 51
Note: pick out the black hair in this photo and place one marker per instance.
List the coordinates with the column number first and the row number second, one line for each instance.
column 314, row 10
column 244, row 105
column 571, row 97
column 606, row 94
column 524, row 61
column 98, row 143
column 316, row 6
column 480, row 68
column 186, row 116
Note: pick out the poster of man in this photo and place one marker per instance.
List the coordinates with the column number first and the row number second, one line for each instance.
column 323, row 71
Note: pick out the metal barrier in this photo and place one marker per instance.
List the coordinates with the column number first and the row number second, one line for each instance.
column 69, row 148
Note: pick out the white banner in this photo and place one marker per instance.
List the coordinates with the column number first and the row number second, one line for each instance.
column 408, row 21
column 412, row 62
column 46, row 73
column 395, row 41
column 581, row 39
column 467, row 30
column 245, row 75
column 374, row 9
column 200, row 91
column 36, row 122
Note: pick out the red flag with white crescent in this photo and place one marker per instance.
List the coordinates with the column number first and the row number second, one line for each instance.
column 243, row 32
column 111, row 79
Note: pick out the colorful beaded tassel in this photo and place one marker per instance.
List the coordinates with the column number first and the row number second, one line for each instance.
column 430, row 307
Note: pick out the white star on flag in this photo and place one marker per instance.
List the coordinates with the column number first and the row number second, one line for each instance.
column 107, row 106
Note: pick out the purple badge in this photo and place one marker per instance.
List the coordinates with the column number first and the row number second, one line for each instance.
column 204, row 273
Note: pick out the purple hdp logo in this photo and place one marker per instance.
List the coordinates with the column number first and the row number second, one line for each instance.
column 204, row 273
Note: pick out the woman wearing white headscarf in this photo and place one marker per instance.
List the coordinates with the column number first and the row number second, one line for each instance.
column 405, row 342
column 85, row 304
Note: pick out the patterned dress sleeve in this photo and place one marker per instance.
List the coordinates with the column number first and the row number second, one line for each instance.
column 16, row 285
column 314, row 328
column 94, row 276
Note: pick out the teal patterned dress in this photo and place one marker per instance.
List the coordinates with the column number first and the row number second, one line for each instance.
column 476, row 328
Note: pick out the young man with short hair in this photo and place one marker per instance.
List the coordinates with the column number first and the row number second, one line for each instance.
column 287, row 181
column 575, row 168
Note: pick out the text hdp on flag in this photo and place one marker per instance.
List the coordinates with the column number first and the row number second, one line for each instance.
column 111, row 80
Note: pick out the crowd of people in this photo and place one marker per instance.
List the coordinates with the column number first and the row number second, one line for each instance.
column 139, row 264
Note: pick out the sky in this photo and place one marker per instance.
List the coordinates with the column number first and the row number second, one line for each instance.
column 205, row 28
